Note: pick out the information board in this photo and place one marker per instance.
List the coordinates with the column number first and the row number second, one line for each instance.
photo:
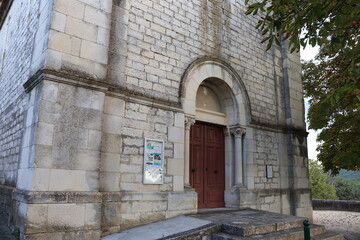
column 153, row 161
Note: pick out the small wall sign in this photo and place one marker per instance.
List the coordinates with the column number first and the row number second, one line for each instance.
column 153, row 161
column 269, row 171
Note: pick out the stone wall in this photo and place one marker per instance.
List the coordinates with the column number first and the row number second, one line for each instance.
column 337, row 205
column 22, row 44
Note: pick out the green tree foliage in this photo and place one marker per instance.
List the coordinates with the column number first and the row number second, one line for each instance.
column 320, row 189
column 332, row 82
column 347, row 189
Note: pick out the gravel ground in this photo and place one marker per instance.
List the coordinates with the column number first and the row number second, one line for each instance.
column 346, row 223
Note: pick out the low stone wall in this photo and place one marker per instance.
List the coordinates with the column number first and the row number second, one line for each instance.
column 337, row 205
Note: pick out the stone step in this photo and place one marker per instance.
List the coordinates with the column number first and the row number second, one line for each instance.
column 287, row 234
column 329, row 236
column 244, row 230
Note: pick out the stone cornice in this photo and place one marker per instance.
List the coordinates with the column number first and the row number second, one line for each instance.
column 102, row 86
column 56, row 197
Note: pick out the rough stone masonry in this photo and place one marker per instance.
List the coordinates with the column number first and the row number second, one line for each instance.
column 84, row 82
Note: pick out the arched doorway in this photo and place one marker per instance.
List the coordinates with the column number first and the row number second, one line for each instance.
column 207, row 149
column 230, row 116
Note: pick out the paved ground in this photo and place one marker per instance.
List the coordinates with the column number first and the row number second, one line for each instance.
column 346, row 223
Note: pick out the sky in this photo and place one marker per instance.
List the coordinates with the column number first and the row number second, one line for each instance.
column 307, row 54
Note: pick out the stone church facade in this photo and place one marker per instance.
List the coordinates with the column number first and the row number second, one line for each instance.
column 83, row 83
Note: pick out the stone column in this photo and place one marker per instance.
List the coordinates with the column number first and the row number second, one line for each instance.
column 189, row 121
column 238, row 133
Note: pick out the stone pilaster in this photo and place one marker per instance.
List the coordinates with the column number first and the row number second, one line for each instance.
column 189, row 121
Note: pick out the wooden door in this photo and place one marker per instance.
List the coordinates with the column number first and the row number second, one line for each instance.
column 207, row 164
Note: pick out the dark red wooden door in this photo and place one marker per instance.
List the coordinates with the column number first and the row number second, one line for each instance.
column 207, row 164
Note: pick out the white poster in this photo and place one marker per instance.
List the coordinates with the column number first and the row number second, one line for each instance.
column 153, row 161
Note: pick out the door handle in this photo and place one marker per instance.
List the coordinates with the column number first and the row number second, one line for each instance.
column 215, row 171
column 205, row 169
column 192, row 170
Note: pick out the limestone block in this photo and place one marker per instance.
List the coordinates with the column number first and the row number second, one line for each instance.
column 111, row 143
column 129, row 220
column 111, row 213
column 97, row 100
column 126, row 168
column 83, row 159
column 82, row 30
column 137, row 159
column 44, row 133
column 176, row 134
column 112, row 124
column 110, row 162
column 171, row 213
column 150, row 217
column 93, row 215
column 103, row 36
column 182, row 201
column 92, row 180
column 83, row 97
column 64, row 43
column 96, row 17
column 94, row 51
column 178, row 183
column 265, row 207
column 69, row 137
column 161, row 128
column 179, row 120
column 250, row 183
column 50, row 91
column 72, row 8
column 134, row 115
column 87, row 118
column 179, row 150
column 67, row 216
column 40, row 181
column 175, row 166
column 110, row 181
column 302, row 182
column 94, row 140
column 154, row 196
column 87, row 234
column 135, row 196
column 53, row 59
column 67, row 180
column 114, row 106
column 75, row 63
column 36, row 217
column 58, row 21
column 269, row 199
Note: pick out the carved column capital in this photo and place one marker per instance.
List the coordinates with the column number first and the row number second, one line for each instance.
column 189, row 121
column 238, row 131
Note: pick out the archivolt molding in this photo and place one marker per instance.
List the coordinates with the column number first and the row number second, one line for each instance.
column 213, row 68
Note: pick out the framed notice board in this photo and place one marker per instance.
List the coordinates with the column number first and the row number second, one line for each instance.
column 153, row 161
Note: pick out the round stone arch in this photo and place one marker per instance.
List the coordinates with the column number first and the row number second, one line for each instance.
column 230, row 89
column 217, row 72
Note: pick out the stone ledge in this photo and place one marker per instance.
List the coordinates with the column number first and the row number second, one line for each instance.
column 98, row 85
column 56, row 197
column 337, row 205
